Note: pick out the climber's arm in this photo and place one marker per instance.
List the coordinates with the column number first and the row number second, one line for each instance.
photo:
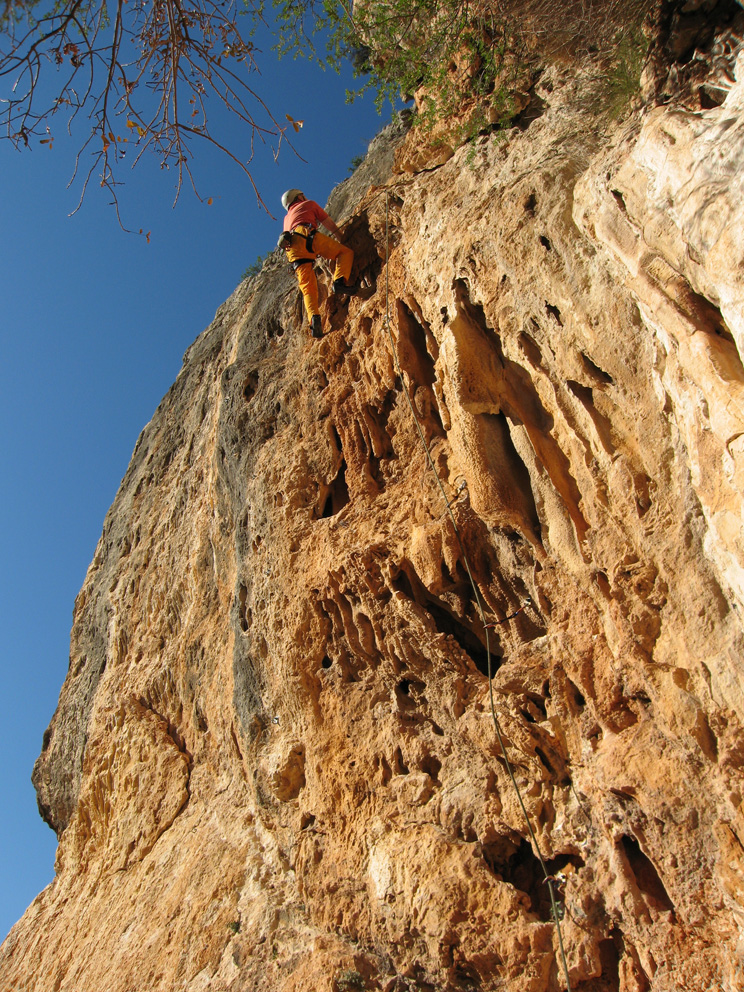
column 330, row 225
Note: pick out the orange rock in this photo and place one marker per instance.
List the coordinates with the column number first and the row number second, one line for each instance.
column 273, row 765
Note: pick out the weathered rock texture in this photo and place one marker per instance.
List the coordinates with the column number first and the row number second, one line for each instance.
column 273, row 764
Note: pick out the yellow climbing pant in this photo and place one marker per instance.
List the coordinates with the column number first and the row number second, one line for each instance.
column 326, row 247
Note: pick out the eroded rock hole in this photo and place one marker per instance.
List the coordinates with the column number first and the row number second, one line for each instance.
column 578, row 696
column 545, row 243
column 604, row 584
column 274, row 329
column 581, row 392
column 385, row 770
column 532, row 112
column 326, row 662
column 399, row 765
column 432, row 766
column 534, row 711
column 250, row 386
column 411, row 692
column 554, row 312
column 447, row 575
column 693, row 30
column 200, row 720
column 243, row 612
column 595, row 734
column 523, row 870
column 466, row 975
column 601, row 423
column 448, row 624
column 367, row 262
column 336, row 438
column 545, row 761
column 415, row 341
column 531, row 349
column 338, row 494
column 724, row 354
column 504, row 460
column 710, row 98
column 619, row 200
column 403, row 584
column 530, row 203
column 598, row 374
column 609, row 963
column 646, row 876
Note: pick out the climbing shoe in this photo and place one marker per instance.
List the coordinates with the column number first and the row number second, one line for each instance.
column 341, row 289
column 316, row 327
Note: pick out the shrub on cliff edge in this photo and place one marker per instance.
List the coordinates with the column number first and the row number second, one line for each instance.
column 457, row 56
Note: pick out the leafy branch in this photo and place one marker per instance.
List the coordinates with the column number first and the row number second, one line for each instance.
column 459, row 58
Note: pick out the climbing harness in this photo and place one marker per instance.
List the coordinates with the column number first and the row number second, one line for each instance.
column 305, row 231
column 549, row 879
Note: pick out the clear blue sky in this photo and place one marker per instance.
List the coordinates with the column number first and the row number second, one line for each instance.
column 94, row 326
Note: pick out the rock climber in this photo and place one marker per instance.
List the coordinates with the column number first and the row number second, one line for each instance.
column 303, row 242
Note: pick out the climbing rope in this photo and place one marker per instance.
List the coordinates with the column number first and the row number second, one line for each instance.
column 549, row 879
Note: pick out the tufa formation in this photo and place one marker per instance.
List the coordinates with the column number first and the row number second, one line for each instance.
column 273, row 764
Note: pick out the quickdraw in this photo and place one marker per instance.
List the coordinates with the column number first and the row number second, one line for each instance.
column 525, row 604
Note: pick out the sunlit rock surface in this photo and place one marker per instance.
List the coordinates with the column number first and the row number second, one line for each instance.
column 273, row 765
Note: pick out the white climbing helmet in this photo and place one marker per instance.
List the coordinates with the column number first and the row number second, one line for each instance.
column 290, row 196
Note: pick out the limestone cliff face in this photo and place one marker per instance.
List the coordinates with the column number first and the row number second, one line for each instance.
column 273, row 765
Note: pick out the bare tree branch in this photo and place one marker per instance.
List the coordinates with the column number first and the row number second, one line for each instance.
column 147, row 73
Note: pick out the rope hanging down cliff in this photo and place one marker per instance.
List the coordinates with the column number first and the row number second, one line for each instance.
column 548, row 878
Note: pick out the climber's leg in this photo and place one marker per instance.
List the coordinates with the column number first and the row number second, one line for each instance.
column 309, row 286
column 334, row 251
